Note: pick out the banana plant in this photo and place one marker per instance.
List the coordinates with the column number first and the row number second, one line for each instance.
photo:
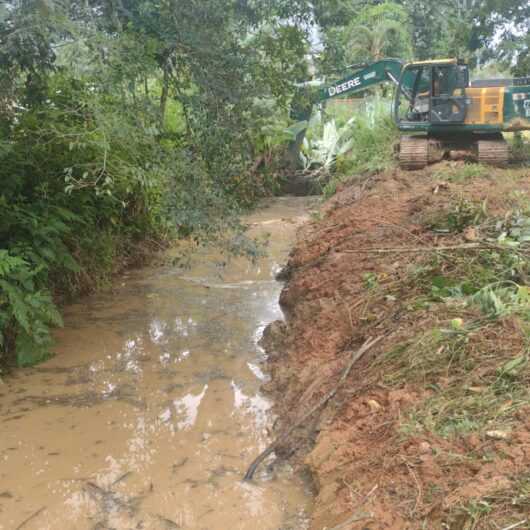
column 322, row 152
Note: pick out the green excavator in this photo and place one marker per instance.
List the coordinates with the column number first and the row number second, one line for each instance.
column 438, row 109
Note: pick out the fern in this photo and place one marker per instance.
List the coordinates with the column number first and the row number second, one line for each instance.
column 9, row 263
column 27, row 311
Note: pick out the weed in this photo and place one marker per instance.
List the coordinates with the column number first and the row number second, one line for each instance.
column 462, row 173
column 370, row 281
column 475, row 511
column 520, row 148
column 472, row 385
column 358, row 141
column 502, row 299
column 26, row 311
column 507, row 508
column 316, row 215
column 462, row 214
column 432, row 492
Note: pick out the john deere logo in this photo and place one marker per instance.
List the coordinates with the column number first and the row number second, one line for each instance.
column 343, row 87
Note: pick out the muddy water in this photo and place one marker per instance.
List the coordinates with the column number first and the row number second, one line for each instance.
column 150, row 412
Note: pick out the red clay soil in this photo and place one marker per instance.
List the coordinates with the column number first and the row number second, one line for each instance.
column 369, row 471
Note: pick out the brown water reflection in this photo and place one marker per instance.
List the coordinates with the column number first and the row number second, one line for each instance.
column 151, row 410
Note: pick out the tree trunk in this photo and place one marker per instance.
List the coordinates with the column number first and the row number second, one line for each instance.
column 292, row 155
column 164, row 95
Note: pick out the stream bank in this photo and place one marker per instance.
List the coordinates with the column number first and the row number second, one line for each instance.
column 431, row 429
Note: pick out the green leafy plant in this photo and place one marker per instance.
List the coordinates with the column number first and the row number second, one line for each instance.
column 26, row 312
column 502, row 299
column 323, row 151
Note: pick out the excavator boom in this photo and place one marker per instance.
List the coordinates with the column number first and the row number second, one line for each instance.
column 373, row 74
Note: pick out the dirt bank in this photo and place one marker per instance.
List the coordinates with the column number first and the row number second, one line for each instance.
column 431, row 428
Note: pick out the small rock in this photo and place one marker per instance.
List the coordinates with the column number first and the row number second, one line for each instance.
column 374, row 405
column 440, row 186
column 497, row 435
column 470, row 234
column 425, row 448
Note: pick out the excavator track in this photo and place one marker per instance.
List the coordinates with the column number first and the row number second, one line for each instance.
column 413, row 152
column 493, row 152
column 416, row 152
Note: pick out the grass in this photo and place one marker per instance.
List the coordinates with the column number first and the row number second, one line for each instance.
column 461, row 173
column 477, row 398
column 468, row 361
column 459, row 215
column 474, row 358
column 507, row 508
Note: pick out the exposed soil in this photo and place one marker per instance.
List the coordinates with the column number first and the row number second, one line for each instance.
column 422, row 434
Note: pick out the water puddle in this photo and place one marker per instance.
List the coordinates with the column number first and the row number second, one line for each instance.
column 150, row 412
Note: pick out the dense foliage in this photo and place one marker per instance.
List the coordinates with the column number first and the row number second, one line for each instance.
column 122, row 122
column 476, row 30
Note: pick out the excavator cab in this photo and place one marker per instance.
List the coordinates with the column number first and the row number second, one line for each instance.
column 431, row 92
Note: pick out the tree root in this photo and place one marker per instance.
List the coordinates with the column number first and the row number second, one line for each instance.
column 356, row 355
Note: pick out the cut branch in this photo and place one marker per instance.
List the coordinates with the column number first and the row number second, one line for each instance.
column 356, row 355
column 469, row 246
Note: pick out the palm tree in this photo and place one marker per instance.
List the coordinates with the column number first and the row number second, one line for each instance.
column 387, row 38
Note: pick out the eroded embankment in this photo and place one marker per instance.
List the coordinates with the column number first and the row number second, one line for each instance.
column 432, row 428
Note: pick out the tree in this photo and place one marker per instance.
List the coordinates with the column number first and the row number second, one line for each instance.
column 470, row 29
column 503, row 29
column 376, row 31
column 384, row 39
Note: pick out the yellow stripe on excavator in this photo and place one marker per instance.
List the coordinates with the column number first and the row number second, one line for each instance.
column 433, row 61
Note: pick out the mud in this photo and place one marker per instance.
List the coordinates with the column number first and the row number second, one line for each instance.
column 151, row 409
column 370, row 473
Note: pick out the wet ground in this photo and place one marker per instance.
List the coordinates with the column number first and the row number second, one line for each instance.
column 150, row 412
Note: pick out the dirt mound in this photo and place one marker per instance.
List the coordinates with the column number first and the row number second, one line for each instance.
column 431, row 428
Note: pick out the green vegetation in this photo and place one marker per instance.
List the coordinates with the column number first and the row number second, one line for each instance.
column 374, row 32
column 439, row 29
column 520, row 145
column 468, row 359
column 351, row 140
column 123, row 125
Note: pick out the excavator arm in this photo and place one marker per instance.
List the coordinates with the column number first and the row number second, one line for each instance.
column 311, row 93
column 373, row 74
column 362, row 78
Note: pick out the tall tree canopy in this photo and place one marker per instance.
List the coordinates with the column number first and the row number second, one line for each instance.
column 477, row 30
